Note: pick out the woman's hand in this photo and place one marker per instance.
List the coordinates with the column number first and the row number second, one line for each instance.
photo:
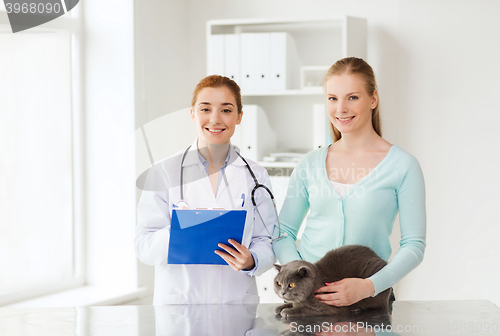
column 239, row 259
column 346, row 291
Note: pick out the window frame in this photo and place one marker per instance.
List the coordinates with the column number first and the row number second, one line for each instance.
column 70, row 22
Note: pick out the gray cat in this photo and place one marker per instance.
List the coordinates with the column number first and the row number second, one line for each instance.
column 297, row 280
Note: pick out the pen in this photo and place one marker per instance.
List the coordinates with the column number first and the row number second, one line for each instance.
column 243, row 198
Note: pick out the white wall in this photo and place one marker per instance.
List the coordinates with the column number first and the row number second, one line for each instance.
column 161, row 58
column 162, row 85
column 438, row 73
column 450, row 75
column 110, row 152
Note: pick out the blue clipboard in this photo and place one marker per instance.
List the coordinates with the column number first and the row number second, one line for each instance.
column 195, row 234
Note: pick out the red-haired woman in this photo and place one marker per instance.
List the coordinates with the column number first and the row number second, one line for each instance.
column 214, row 176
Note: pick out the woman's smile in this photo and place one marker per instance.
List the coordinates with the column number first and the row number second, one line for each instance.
column 216, row 115
column 345, row 120
column 214, row 131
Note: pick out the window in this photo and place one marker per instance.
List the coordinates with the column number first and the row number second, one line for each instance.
column 40, row 208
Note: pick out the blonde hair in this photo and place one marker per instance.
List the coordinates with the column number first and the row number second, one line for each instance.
column 355, row 66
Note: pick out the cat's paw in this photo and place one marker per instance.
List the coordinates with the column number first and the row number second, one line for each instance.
column 287, row 313
column 278, row 309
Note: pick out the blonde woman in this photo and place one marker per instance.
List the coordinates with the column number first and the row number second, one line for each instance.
column 354, row 189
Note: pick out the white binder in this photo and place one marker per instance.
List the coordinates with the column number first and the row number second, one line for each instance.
column 254, row 136
column 284, row 62
column 247, row 52
column 262, row 57
column 215, row 57
column 320, row 126
column 232, row 56
column 255, row 61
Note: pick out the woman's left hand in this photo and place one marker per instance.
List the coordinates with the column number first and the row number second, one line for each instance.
column 345, row 292
column 239, row 259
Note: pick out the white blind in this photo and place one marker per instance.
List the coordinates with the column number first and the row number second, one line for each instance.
column 36, row 195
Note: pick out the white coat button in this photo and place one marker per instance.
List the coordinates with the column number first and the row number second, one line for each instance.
column 215, row 300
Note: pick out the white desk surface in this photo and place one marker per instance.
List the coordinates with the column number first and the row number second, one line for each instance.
column 409, row 318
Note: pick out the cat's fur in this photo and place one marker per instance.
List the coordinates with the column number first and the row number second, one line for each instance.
column 350, row 261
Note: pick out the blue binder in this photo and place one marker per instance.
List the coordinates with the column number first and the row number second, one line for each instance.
column 194, row 235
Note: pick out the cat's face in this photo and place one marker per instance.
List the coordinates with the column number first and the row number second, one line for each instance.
column 295, row 281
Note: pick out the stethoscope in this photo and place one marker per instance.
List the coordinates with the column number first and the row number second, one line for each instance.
column 257, row 186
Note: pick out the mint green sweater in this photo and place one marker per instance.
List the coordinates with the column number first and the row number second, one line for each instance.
column 364, row 216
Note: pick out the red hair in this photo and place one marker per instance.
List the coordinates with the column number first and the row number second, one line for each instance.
column 216, row 81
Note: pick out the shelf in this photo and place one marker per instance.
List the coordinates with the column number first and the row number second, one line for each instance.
column 312, row 92
column 262, row 21
column 266, row 164
column 313, row 42
column 279, row 24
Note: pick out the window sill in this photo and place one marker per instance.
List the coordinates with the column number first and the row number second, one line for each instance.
column 85, row 296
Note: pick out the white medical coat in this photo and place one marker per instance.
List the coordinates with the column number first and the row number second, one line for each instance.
column 202, row 284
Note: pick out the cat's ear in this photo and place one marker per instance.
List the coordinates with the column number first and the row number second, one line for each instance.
column 278, row 267
column 303, row 271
